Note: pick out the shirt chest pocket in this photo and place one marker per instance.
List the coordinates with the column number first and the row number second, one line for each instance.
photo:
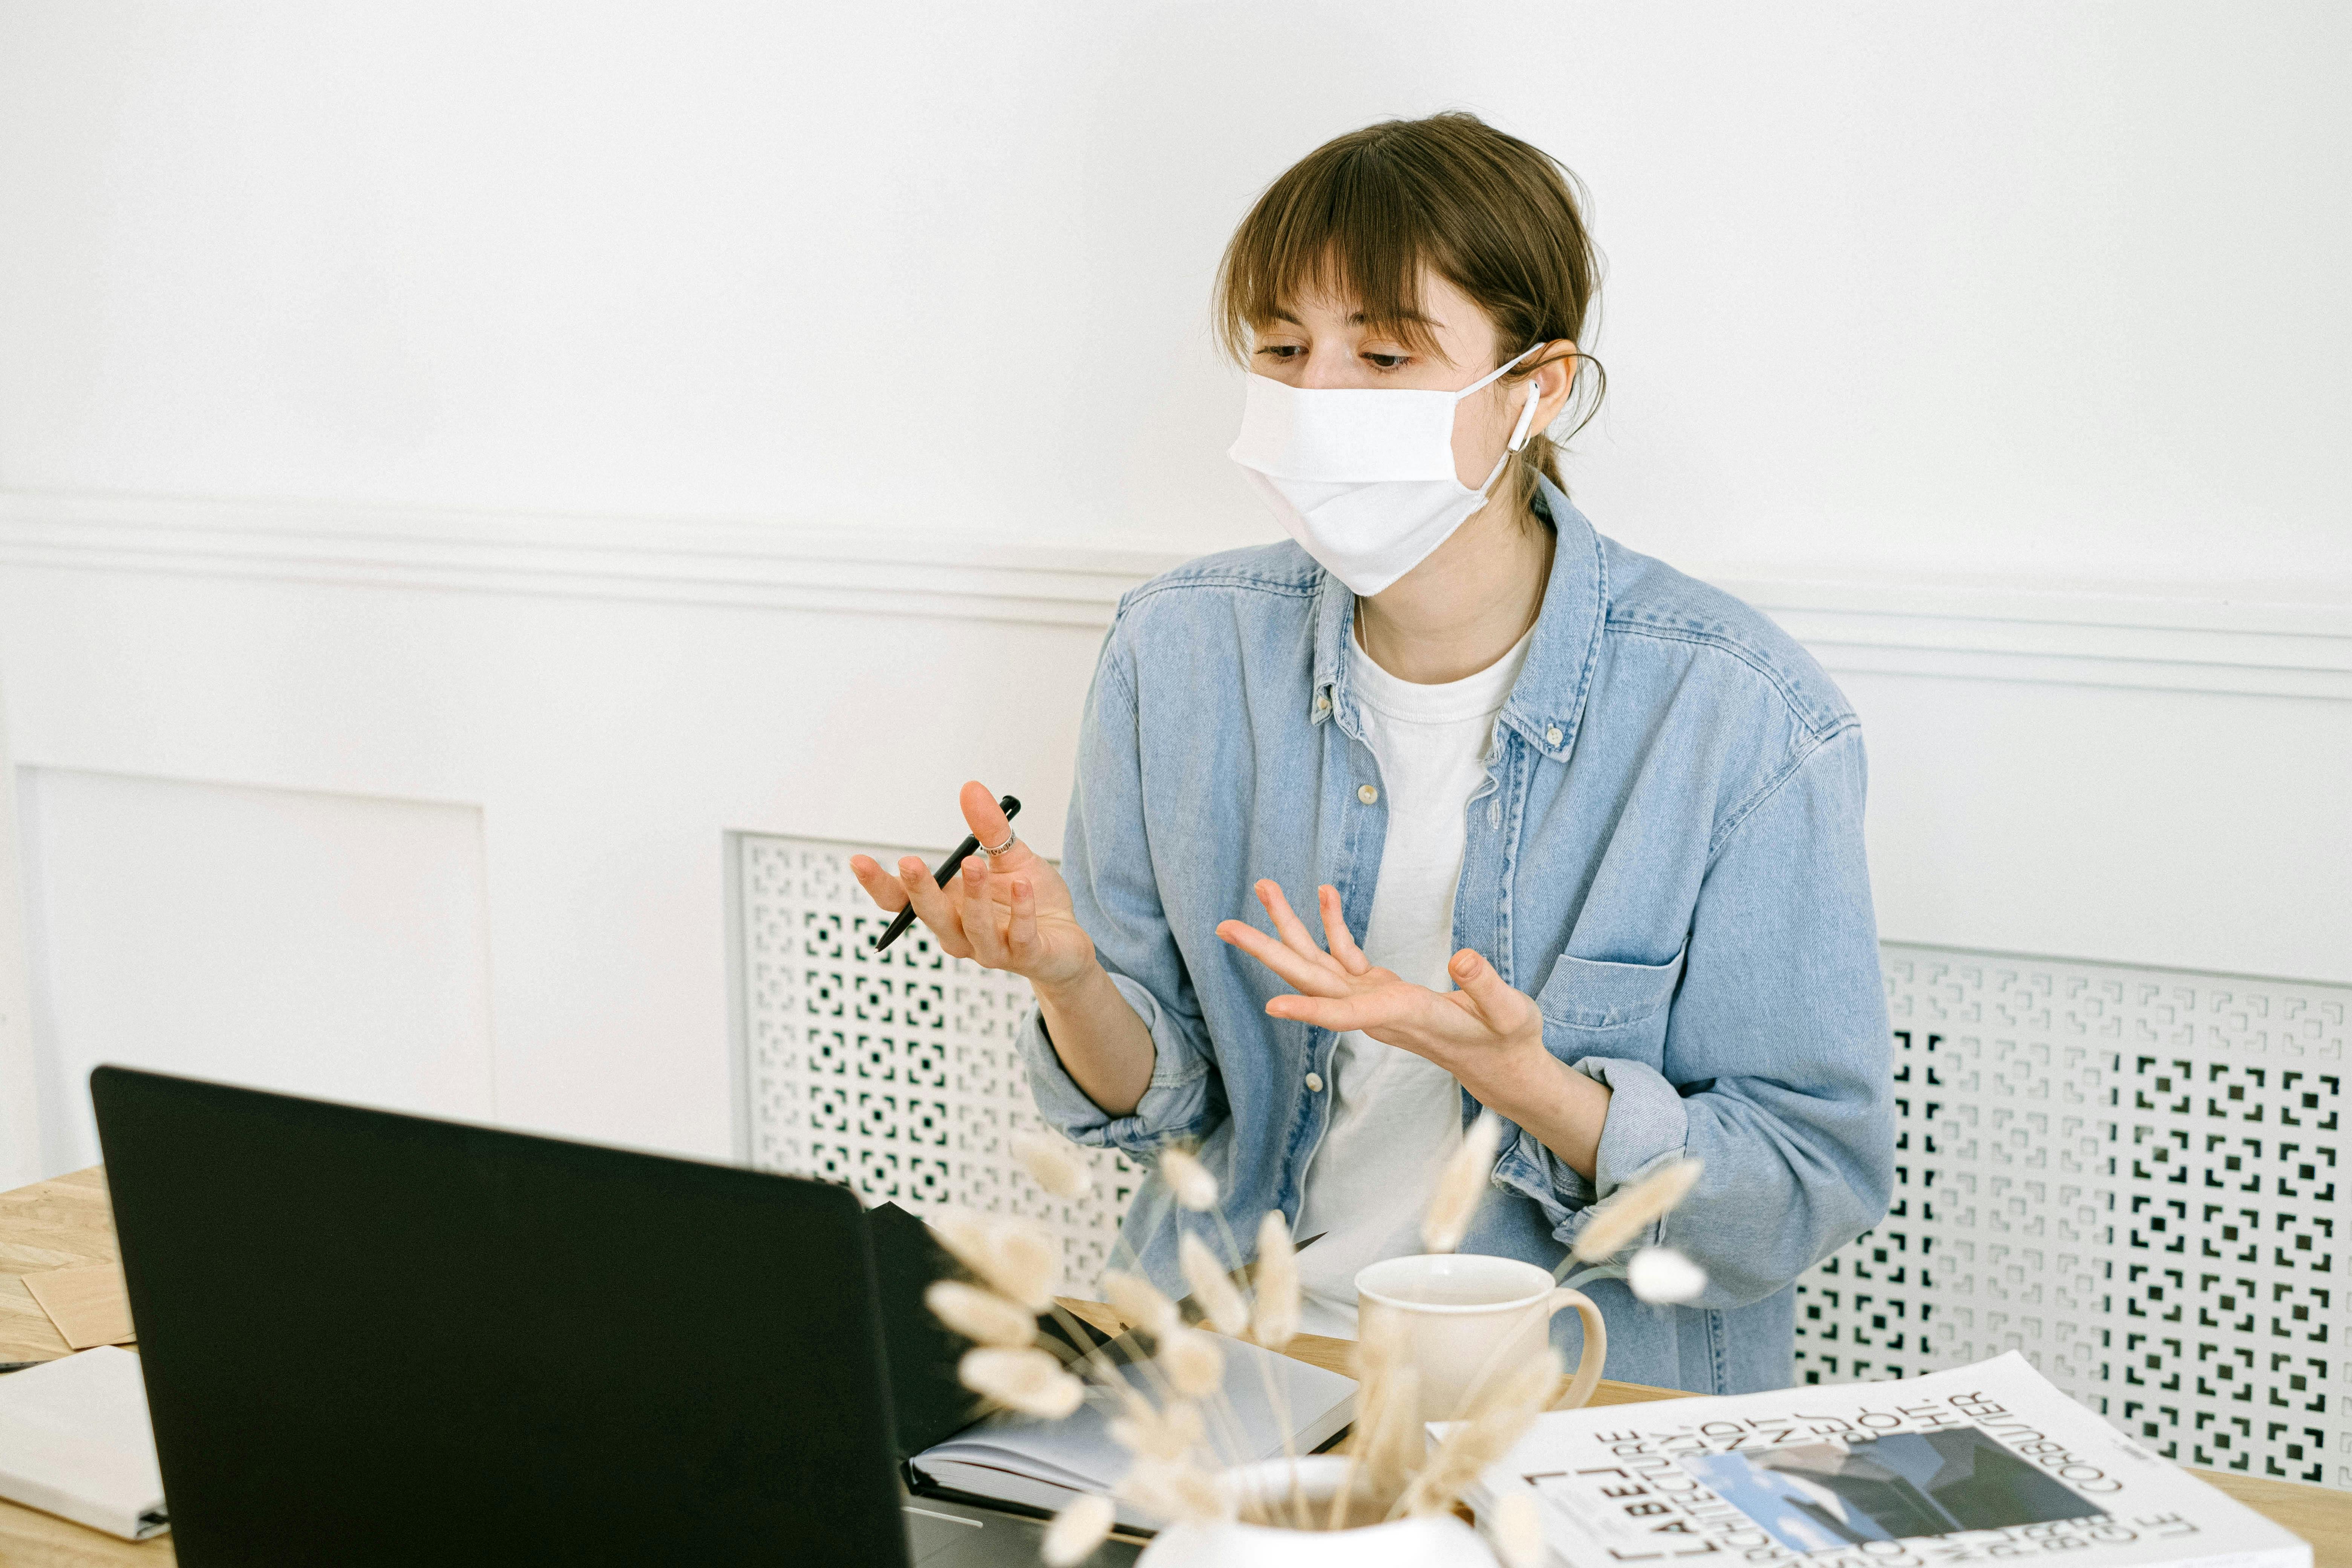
column 1594, row 1008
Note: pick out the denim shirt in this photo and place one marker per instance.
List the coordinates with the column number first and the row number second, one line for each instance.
column 1666, row 854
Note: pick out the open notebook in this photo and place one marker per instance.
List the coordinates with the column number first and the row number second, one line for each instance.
column 1044, row 1464
column 1038, row 1464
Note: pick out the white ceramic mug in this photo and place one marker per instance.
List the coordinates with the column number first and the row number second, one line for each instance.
column 1469, row 1316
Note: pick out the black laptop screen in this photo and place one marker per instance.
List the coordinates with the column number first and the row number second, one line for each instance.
column 377, row 1339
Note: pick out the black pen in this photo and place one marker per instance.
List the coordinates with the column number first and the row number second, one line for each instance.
column 947, row 868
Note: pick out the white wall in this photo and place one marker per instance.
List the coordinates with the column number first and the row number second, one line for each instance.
column 20, row 1122
column 1997, row 348
column 1993, row 288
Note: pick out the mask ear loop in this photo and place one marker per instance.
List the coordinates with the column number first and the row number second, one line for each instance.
column 1519, row 432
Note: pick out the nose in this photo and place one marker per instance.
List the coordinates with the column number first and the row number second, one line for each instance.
column 1329, row 365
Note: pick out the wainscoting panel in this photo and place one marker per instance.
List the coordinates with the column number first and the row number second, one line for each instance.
column 304, row 941
column 2130, row 773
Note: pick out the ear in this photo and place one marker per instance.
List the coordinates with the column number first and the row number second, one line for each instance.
column 1557, row 363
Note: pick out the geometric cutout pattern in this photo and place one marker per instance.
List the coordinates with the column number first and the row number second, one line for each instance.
column 894, row 1074
column 2132, row 1177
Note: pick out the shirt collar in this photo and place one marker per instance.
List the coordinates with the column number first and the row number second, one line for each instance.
column 1546, row 702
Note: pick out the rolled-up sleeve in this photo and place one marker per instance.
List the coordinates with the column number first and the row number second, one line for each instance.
column 1776, row 1064
column 1107, row 861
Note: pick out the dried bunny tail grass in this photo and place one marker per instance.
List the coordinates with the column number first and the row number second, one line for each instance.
column 1526, row 1389
column 1028, row 1381
column 1013, row 1259
column 1664, row 1277
column 1211, row 1286
column 1135, row 1299
column 1382, row 1342
column 1075, row 1532
column 981, row 1315
column 1392, row 1436
column 1274, row 1320
column 1194, row 1366
column 1617, row 1224
column 1388, row 1441
column 1518, row 1529
column 1460, row 1186
column 1053, row 1164
column 1499, row 1414
column 1170, row 1432
column 1174, row 1489
column 1188, row 1180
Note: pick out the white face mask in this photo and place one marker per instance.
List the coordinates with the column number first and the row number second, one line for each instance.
column 1363, row 476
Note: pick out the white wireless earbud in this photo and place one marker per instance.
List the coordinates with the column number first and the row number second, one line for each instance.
column 1526, row 415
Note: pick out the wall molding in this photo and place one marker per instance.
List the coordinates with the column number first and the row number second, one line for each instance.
column 2265, row 639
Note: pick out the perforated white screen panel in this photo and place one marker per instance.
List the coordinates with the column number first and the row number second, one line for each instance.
column 895, row 1073
column 2129, row 1175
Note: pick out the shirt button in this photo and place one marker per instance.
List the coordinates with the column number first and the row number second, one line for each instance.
column 1367, row 794
column 1552, row 734
column 1315, row 1083
column 1322, row 704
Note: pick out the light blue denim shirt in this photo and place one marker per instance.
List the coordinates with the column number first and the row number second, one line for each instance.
column 1667, row 855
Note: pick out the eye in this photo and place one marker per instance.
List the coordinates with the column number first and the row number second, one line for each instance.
column 1389, row 362
column 1280, row 351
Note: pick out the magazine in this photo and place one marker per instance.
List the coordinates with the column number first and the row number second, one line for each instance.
column 1983, row 1464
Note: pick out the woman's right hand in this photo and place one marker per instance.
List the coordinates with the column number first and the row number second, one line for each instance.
column 1010, row 913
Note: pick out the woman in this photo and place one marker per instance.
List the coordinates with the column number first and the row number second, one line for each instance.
column 1583, row 836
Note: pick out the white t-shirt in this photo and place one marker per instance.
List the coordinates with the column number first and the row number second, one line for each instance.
column 1396, row 1117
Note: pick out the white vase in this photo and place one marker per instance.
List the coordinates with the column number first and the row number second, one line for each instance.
column 1438, row 1541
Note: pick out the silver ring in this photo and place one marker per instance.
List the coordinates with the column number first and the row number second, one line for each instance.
column 1010, row 839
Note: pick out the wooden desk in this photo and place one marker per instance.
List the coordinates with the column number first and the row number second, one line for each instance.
column 62, row 1223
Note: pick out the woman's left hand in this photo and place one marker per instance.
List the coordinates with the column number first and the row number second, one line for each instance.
column 1485, row 1033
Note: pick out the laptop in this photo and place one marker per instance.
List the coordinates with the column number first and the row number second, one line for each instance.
column 370, row 1338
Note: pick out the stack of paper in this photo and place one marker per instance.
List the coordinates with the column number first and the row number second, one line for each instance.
column 75, row 1441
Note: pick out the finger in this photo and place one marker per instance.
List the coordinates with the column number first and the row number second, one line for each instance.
column 989, row 825
column 1021, row 931
column 933, row 908
column 1497, row 1005
column 978, row 908
column 879, row 884
column 1335, row 931
column 1384, row 1006
column 1288, row 926
column 1316, row 979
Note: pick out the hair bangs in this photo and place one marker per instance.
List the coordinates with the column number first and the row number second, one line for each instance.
column 1345, row 223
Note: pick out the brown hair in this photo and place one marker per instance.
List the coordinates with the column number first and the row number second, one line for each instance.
column 1364, row 213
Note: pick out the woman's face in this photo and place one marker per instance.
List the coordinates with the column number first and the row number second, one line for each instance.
column 1320, row 340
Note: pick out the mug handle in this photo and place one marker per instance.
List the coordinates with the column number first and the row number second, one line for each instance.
column 1596, row 1347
